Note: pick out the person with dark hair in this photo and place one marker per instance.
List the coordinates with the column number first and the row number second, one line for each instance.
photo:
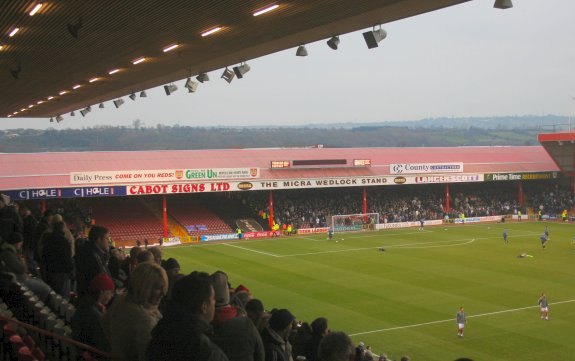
column 182, row 334
column 275, row 336
column 92, row 258
column 11, row 261
column 57, row 260
column 145, row 256
column 29, row 224
column 86, row 326
column 300, row 339
column 10, row 221
column 336, row 346
column 319, row 330
column 129, row 322
column 41, row 227
column 255, row 311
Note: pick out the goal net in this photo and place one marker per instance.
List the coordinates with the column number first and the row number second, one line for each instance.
column 354, row 222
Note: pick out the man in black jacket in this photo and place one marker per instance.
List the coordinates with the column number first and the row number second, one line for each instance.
column 92, row 258
column 275, row 336
column 182, row 334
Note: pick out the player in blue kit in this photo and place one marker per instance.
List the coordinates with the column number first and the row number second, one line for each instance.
column 505, row 235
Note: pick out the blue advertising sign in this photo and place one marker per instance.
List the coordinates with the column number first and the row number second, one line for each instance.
column 78, row 192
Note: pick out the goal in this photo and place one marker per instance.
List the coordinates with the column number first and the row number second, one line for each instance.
column 354, row 222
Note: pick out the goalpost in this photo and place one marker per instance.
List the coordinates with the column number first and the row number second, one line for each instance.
column 354, row 222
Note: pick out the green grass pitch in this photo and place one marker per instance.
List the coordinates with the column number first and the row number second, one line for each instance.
column 404, row 300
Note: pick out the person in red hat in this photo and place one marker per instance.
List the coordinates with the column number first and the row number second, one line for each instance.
column 86, row 327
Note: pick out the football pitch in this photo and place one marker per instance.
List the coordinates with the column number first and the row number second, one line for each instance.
column 403, row 300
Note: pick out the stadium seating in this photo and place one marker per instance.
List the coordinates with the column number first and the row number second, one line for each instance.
column 127, row 219
column 189, row 212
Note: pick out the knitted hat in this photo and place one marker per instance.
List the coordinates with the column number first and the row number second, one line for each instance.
column 242, row 288
column 14, row 238
column 221, row 288
column 281, row 319
column 102, row 282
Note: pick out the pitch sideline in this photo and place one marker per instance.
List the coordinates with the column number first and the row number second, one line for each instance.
column 453, row 319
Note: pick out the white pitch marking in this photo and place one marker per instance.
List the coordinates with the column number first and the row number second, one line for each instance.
column 251, row 250
column 453, row 319
column 405, row 245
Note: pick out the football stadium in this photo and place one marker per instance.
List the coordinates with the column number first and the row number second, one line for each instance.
column 270, row 254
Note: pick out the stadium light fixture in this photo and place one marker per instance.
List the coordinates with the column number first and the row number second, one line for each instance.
column 50, row 98
column 143, row 94
column 203, row 77
column 113, row 71
column 1, row 46
column 51, row 120
column 118, row 102
column 139, row 60
column 301, row 51
column 212, row 31
column 170, row 88
column 72, row 114
column 132, row 96
column 84, row 112
column 16, row 72
column 191, row 85
column 74, row 29
column 93, row 80
column 374, row 37
column 35, row 9
column 169, row 48
column 266, row 9
column 503, row 4
column 241, row 70
column 77, row 86
column 59, row 118
column 228, row 75
column 333, row 42
column 13, row 32
column 101, row 106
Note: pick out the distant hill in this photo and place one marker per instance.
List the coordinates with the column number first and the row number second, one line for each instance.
column 436, row 132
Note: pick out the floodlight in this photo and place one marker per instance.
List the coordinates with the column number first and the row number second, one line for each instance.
column 118, row 102
column 228, row 75
column 132, row 96
column 170, row 88
column 203, row 77
column 72, row 114
column 191, row 85
column 51, row 120
column 241, row 70
column 143, row 94
column 101, row 106
column 59, row 118
column 374, row 37
column 503, row 4
column 73, row 29
column 16, row 72
column 84, row 112
column 89, row 108
column 301, row 51
column 333, row 42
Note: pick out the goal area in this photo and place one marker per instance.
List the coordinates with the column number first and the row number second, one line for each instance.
column 354, row 222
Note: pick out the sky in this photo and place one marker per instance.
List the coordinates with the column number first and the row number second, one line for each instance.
column 468, row 60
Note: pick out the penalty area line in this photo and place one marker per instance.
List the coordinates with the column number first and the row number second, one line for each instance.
column 453, row 319
column 251, row 250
